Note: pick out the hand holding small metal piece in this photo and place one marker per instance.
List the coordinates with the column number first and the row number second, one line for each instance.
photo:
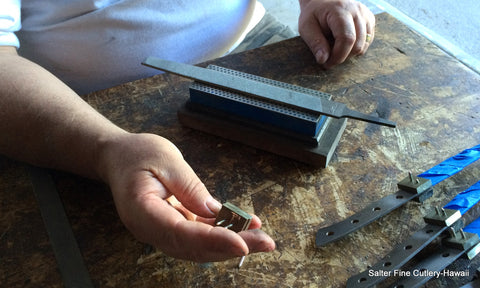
column 233, row 218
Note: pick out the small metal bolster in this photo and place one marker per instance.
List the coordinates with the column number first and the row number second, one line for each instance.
column 442, row 217
column 462, row 240
column 472, row 253
column 233, row 218
column 414, row 184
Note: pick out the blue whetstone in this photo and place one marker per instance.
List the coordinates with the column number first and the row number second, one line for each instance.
column 260, row 110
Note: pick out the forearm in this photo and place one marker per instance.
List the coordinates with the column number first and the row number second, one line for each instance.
column 44, row 122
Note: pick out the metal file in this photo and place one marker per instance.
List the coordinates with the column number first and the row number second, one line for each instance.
column 253, row 88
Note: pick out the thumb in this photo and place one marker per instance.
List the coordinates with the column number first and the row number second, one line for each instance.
column 181, row 181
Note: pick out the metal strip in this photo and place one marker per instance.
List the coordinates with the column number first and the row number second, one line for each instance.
column 261, row 90
column 382, row 207
column 426, row 269
column 433, row 266
column 398, row 257
column 64, row 245
column 369, row 214
column 466, row 241
column 475, row 283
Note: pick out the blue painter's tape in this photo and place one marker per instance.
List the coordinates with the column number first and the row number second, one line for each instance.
column 452, row 165
column 466, row 199
column 473, row 227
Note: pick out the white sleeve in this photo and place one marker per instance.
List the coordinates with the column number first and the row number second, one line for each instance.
column 9, row 22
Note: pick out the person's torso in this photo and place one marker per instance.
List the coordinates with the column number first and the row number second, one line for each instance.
column 93, row 45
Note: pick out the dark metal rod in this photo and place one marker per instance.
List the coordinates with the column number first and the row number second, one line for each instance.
column 69, row 258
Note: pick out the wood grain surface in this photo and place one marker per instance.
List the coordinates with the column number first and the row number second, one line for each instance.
column 434, row 99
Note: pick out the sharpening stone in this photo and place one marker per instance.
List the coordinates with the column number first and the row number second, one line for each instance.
column 275, row 127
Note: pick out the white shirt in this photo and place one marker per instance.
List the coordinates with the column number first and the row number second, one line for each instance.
column 96, row 44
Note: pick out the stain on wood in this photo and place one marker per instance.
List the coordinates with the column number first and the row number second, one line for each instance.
column 434, row 99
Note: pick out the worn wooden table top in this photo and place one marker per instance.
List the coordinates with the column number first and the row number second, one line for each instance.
column 434, row 99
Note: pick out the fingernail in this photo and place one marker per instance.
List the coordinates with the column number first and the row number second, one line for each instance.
column 321, row 56
column 213, row 205
column 268, row 246
column 240, row 251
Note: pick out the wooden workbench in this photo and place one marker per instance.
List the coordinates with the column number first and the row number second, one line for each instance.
column 434, row 99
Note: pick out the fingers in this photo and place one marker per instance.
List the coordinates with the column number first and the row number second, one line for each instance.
column 344, row 33
column 193, row 197
column 143, row 182
column 153, row 220
column 316, row 40
column 172, row 200
column 256, row 223
column 338, row 27
column 163, row 226
column 204, row 243
column 370, row 28
column 207, row 243
column 360, row 35
column 349, row 30
column 257, row 241
column 180, row 179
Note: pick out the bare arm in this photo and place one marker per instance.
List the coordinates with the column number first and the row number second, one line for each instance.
column 44, row 122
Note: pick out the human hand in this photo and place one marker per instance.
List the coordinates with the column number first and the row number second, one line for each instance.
column 336, row 29
column 143, row 171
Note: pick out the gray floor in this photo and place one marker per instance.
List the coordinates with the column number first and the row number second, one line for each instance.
column 452, row 25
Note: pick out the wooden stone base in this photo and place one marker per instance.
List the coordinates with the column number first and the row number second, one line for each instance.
column 316, row 155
